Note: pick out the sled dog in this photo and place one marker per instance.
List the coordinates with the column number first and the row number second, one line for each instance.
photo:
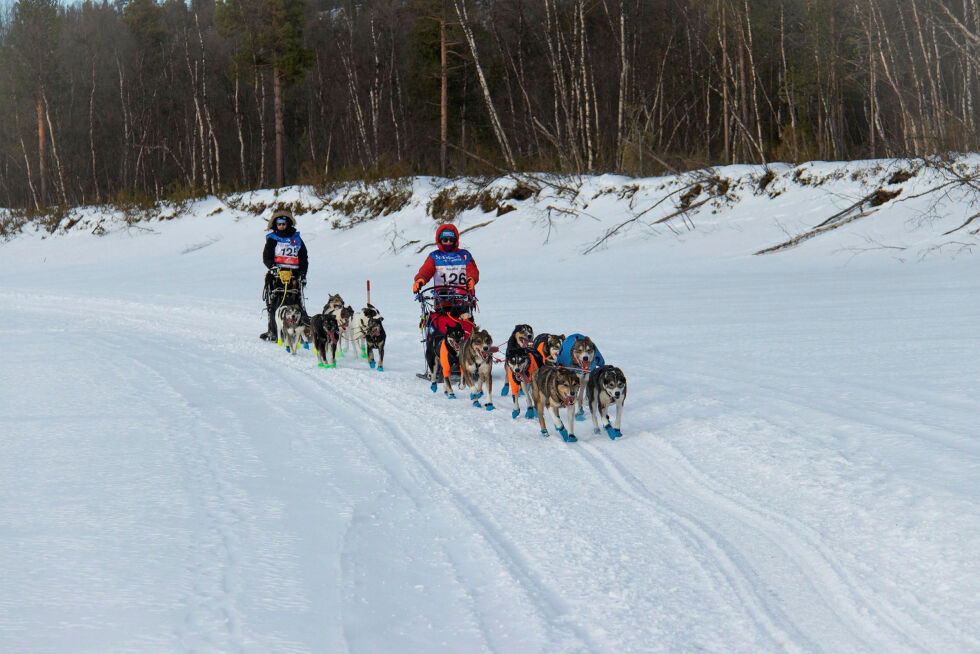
column 580, row 353
column 289, row 326
column 374, row 338
column 522, row 336
column 343, row 315
column 606, row 386
column 548, row 345
column 326, row 335
column 445, row 356
column 358, row 328
column 334, row 301
column 476, row 364
column 521, row 366
column 551, row 389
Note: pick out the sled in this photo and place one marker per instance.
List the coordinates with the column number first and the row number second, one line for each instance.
column 456, row 301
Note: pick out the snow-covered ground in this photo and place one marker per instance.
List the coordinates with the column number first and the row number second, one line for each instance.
column 798, row 471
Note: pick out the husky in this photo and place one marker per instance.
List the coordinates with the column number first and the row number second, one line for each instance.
column 358, row 328
column 580, row 354
column 476, row 365
column 374, row 338
column 548, row 345
column 445, row 355
column 289, row 326
column 520, row 338
column 551, row 388
column 334, row 301
column 343, row 315
column 606, row 386
column 521, row 367
column 326, row 335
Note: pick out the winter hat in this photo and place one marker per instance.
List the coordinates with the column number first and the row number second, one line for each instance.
column 449, row 230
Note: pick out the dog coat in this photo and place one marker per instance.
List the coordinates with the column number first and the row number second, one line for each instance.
column 565, row 354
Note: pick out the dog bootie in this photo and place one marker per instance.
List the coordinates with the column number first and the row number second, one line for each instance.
column 371, row 363
column 544, row 432
column 531, row 413
column 433, row 386
column 381, row 368
column 580, row 415
column 451, row 396
column 568, row 438
column 515, row 413
column 489, row 407
column 306, row 346
column 503, row 392
column 477, row 404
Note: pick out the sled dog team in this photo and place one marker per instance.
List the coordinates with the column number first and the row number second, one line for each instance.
column 335, row 329
column 551, row 371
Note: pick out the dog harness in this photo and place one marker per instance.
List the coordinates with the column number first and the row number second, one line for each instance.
column 287, row 249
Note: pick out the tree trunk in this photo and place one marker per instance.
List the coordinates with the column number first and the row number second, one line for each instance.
column 42, row 170
column 277, row 102
column 498, row 129
column 443, row 98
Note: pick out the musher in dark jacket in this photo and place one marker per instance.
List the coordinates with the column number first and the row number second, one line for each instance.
column 284, row 250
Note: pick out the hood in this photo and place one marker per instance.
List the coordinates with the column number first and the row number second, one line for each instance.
column 271, row 225
column 447, row 227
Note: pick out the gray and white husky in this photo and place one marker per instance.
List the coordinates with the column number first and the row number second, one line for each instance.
column 606, row 386
column 289, row 326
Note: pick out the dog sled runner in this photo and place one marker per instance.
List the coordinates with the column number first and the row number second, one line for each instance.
column 439, row 304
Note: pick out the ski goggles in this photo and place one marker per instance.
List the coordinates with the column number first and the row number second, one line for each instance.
column 447, row 238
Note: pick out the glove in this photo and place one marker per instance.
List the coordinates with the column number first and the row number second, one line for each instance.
column 418, row 286
column 470, row 284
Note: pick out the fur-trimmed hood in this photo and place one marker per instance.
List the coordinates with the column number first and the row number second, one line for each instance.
column 271, row 225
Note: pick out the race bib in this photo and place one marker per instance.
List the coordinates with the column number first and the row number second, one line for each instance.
column 450, row 276
column 287, row 254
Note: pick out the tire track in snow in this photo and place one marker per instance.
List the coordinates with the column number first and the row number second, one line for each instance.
column 554, row 612
column 212, row 614
column 865, row 606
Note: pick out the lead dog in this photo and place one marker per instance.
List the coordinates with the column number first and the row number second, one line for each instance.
column 374, row 338
column 476, row 365
column 580, row 354
column 606, row 386
column 326, row 335
column 289, row 326
column 551, row 389
column 358, row 328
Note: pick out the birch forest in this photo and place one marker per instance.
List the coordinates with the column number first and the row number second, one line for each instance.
column 103, row 102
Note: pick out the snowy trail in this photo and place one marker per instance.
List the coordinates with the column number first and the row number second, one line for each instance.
column 349, row 510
